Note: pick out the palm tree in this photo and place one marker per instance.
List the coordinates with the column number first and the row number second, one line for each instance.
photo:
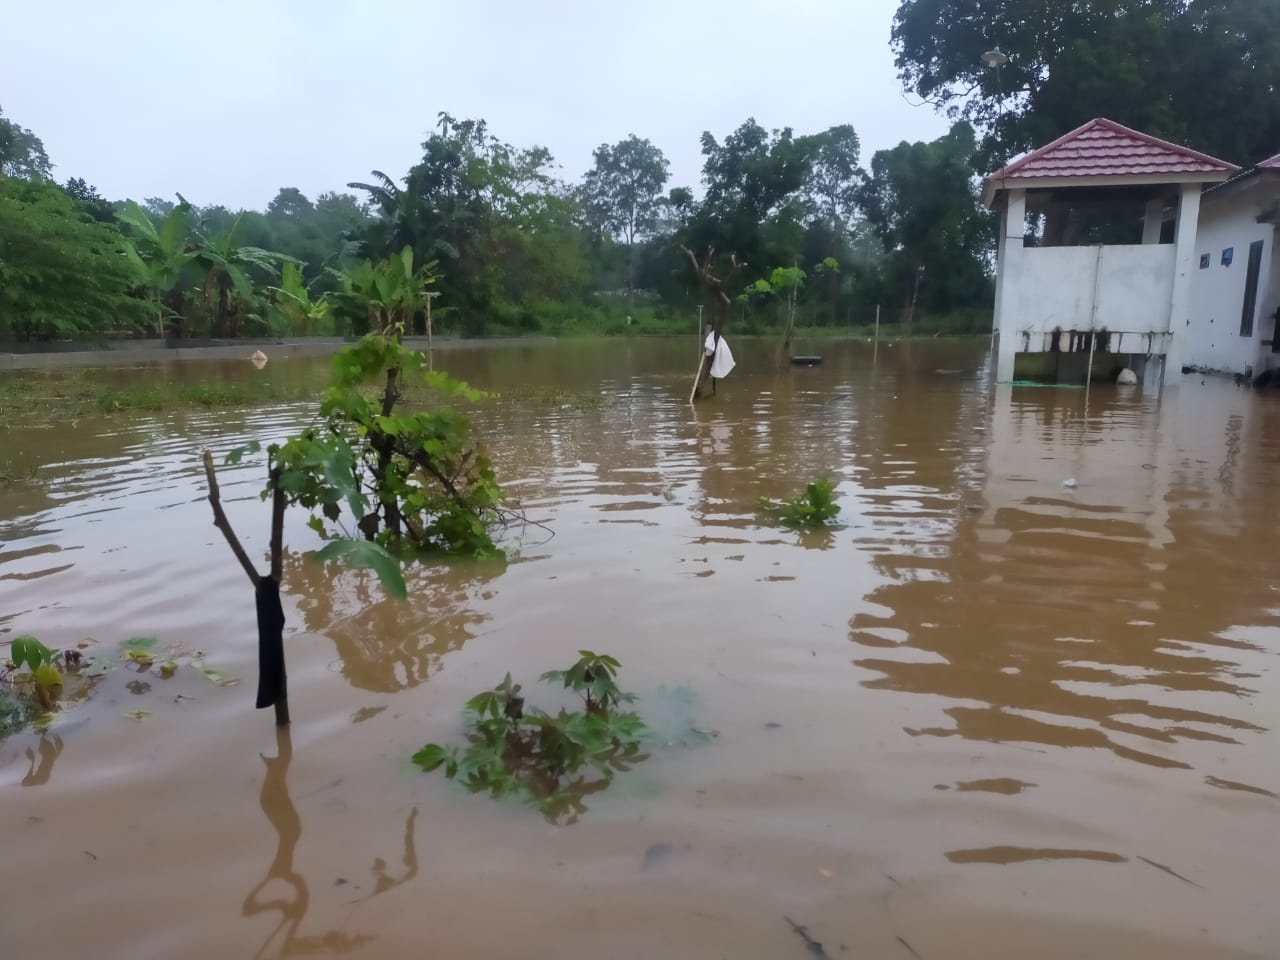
column 392, row 205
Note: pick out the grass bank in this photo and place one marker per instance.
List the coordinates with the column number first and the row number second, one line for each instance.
column 64, row 393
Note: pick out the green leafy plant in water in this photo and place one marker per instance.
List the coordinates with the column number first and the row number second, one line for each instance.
column 406, row 481
column 42, row 667
column 816, row 507
column 515, row 749
column 33, row 679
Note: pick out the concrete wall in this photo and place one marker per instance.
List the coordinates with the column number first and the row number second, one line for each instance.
column 1213, row 338
column 1057, row 289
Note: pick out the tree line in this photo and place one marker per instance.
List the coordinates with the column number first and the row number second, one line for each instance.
column 515, row 248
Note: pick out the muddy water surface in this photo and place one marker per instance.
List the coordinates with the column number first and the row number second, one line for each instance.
column 991, row 715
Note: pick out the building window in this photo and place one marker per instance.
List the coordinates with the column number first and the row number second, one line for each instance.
column 1251, row 289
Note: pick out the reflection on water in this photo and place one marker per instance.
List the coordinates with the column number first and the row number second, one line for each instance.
column 991, row 713
column 1065, row 616
column 386, row 645
column 40, row 761
column 293, row 901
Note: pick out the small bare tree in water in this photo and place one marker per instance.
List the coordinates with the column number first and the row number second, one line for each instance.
column 718, row 294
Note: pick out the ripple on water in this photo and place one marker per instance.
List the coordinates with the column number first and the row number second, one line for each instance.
column 978, row 681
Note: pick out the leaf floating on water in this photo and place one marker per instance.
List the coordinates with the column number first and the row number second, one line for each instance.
column 168, row 669
column 214, row 676
column 138, row 715
column 138, row 651
column 139, row 658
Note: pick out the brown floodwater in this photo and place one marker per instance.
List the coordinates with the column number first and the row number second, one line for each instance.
column 990, row 715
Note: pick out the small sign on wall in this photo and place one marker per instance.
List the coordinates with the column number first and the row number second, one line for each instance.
column 1228, row 254
column 1204, row 261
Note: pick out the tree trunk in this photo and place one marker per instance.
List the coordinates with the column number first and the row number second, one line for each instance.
column 383, row 444
column 720, row 303
column 911, row 305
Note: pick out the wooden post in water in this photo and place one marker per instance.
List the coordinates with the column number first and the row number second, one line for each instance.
column 430, row 297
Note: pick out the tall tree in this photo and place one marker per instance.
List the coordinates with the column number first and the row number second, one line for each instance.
column 834, row 175
column 91, row 202
column 1201, row 72
column 624, row 189
column 921, row 199
column 753, row 203
column 61, row 275
column 22, row 153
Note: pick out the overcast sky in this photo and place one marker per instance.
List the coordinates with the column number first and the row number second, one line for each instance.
column 229, row 101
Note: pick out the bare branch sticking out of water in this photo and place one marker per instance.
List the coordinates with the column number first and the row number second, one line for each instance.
column 910, row 948
column 814, row 947
column 222, row 523
column 1170, row 871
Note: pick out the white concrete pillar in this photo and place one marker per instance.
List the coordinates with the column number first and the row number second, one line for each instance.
column 1153, row 220
column 1009, row 271
column 1184, row 267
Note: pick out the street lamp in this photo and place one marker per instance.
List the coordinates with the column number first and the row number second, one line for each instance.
column 995, row 58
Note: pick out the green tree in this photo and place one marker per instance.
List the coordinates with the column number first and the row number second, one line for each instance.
column 489, row 212
column 834, row 176
column 1201, row 72
column 624, row 190
column 160, row 254
column 89, row 200
column 753, row 204
column 231, row 270
column 22, row 153
column 921, row 199
column 61, row 275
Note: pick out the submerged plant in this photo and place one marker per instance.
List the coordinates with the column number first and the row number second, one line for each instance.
column 42, row 674
column 514, row 749
column 816, row 507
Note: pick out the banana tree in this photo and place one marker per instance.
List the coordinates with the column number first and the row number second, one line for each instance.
column 228, row 281
column 160, row 254
column 294, row 302
column 386, row 294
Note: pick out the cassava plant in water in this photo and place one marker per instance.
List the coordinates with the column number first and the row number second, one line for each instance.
column 516, row 749
column 816, row 507
column 42, row 679
column 406, row 480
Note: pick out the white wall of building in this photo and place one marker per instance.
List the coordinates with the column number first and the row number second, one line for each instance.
column 1132, row 288
column 1212, row 337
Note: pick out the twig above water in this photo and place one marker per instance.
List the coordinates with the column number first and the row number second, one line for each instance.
column 222, row 523
column 1169, row 870
column 814, row 947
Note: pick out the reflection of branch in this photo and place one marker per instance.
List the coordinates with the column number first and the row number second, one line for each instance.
column 283, row 816
column 384, row 881
column 38, row 776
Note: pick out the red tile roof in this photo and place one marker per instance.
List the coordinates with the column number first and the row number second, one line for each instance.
column 1104, row 148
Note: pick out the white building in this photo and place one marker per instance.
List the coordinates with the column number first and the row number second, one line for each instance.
column 1098, row 253
column 1236, row 289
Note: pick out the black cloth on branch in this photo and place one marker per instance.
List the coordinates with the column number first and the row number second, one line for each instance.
column 270, row 642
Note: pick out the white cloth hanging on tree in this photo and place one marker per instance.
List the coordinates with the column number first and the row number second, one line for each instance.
column 722, row 358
